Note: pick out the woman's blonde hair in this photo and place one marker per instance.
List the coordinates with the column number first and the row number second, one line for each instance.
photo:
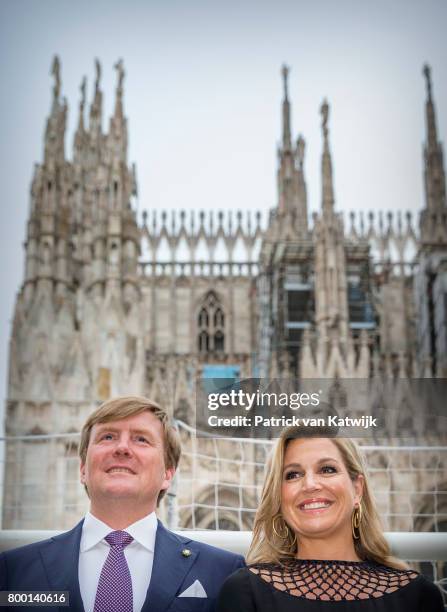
column 268, row 544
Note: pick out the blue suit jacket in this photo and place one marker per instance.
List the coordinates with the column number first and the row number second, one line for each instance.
column 53, row 565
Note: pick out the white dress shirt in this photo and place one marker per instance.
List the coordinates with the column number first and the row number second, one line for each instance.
column 139, row 555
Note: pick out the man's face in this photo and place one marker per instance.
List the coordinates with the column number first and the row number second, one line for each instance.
column 125, row 460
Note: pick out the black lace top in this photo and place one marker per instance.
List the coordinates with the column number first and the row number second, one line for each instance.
column 309, row 586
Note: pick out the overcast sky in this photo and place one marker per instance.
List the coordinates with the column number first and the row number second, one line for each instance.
column 203, row 93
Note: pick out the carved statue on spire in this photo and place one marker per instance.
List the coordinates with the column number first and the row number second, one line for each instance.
column 56, row 72
column 80, row 130
column 134, row 180
column 427, row 74
column 325, row 114
column 300, row 149
column 98, row 73
column 82, row 89
column 119, row 67
column 285, row 74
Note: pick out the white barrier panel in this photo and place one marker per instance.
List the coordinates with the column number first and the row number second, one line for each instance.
column 405, row 545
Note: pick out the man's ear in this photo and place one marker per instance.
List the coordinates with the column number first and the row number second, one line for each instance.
column 82, row 473
column 169, row 475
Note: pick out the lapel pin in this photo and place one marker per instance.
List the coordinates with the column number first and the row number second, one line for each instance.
column 186, row 552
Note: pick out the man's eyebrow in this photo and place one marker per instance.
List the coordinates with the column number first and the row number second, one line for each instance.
column 146, row 432
column 105, row 427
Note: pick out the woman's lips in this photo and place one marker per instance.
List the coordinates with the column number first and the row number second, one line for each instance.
column 315, row 505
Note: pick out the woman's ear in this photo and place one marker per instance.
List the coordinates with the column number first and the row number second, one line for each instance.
column 359, row 484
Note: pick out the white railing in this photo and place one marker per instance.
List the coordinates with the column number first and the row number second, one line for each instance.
column 405, row 545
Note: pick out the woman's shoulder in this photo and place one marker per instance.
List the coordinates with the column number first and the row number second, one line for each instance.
column 239, row 576
column 238, row 581
column 242, row 579
column 270, row 568
column 236, row 593
column 429, row 594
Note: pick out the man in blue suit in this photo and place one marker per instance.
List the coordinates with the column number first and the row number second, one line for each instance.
column 120, row 558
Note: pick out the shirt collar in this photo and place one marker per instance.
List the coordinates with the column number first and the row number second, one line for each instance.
column 143, row 531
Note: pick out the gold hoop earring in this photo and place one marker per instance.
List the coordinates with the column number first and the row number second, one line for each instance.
column 356, row 519
column 286, row 531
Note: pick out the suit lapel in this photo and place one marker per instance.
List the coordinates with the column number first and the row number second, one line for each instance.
column 60, row 558
column 169, row 569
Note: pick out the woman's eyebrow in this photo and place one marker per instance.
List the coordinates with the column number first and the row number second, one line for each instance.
column 322, row 460
column 298, row 465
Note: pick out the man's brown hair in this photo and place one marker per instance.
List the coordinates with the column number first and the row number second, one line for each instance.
column 123, row 407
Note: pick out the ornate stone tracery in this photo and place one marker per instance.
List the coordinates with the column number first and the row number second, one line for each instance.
column 211, row 325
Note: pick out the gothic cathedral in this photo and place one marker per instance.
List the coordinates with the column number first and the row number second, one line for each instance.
column 114, row 305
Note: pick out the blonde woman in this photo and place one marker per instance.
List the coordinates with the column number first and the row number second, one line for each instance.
column 317, row 540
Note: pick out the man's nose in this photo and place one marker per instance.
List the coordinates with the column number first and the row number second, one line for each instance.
column 123, row 445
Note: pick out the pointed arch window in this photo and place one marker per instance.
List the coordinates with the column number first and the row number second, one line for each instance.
column 219, row 341
column 204, row 342
column 203, row 318
column 218, row 318
column 211, row 325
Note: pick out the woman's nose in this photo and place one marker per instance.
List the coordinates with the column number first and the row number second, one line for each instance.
column 311, row 481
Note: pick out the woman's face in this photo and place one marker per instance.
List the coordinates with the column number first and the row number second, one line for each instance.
column 317, row 493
